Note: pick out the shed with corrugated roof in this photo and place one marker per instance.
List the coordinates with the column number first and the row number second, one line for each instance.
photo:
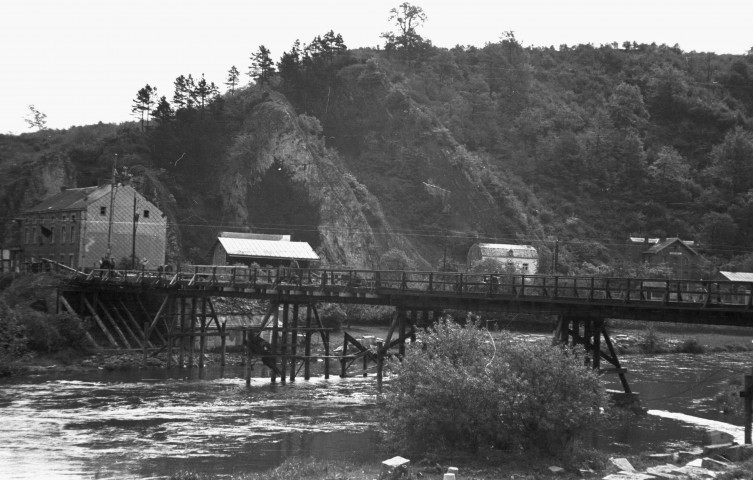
column 233, row 248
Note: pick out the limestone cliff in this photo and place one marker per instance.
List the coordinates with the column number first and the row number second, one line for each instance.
column 352, row 229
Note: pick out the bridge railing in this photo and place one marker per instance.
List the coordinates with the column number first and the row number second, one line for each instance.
column 605, row 289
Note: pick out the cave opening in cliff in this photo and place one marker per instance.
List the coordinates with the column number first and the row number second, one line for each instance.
column 277, row 204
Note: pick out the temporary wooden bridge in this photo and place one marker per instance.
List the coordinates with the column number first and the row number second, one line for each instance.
column 159, row 310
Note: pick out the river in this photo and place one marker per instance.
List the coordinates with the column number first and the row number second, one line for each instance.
column 151, row 423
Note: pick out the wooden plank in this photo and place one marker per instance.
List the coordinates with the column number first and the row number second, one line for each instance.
column 147, row 315
column 134, row 324
column 100, row 323
column 136, row 338
column 113, row 323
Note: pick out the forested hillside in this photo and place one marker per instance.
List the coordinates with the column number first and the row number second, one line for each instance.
column 404, row 156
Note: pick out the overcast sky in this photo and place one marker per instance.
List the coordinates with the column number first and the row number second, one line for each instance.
column 82, row 61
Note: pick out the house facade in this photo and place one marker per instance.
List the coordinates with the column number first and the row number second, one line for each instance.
column 679, row 255
column 233, row 248
column 78, row 226
column 522, row 258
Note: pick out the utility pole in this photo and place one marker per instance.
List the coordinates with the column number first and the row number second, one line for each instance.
column 133, row 238
column 556, row 259
column 112, row 201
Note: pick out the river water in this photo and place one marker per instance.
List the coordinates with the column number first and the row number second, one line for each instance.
column 152, row 423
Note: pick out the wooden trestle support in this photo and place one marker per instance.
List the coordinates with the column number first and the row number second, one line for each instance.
column 180, row 322
column 588, row 332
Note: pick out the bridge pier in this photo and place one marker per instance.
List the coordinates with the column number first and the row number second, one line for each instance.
column 568, row 331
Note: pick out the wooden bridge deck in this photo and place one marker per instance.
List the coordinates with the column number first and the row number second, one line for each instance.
column 671, row 300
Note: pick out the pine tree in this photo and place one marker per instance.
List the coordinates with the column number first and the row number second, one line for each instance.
column 142, row 104
column 163, row 113
column 232, row 79
column 262, row 66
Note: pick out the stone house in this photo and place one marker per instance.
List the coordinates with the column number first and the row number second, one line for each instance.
column 680, row 255
column 522, row 258
column 78, row 226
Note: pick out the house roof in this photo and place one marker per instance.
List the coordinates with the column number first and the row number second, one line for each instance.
column 658, row 247
column 70, row 199
column 255, row 236
column 250, row 247
column 738, row 276
column 507, row 250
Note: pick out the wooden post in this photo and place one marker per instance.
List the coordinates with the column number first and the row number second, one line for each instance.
column 587, row 339
column 284, row 340
column 244, row 342
column 380, row 365
column 293, row 341
column 202, row 331
column 191, row 327
column 223, row 344
column 401, row 326
column 344, row 354
column 146, row 330
column 182, row 331
column 307, row 351
column 247, row 363
column 325, row 334
column 275, row 340
column 747, row 394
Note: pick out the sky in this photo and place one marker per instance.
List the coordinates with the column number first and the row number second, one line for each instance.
column 81, row 62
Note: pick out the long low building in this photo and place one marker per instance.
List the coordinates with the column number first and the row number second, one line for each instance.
column 266, row 250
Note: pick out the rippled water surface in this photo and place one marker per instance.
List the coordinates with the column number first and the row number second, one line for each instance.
column 134, row 426
column 150, row 424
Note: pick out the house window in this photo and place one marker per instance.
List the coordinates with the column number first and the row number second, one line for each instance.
column 103, row 210
column 73, row 231
column 146, row 213
column 63, row 232
column 62, row 259
column 27, row 237
column 525, row 267
column 52, row 235
column 73, row 218
column 70, row 260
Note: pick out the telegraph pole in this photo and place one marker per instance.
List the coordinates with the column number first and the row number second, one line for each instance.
column 112, row 201
column 133, row 238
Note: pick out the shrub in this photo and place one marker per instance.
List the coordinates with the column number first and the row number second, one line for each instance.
column 651, row 342
column 690, row 345
column 51, row 333
column 12, row 339
column 464, row 390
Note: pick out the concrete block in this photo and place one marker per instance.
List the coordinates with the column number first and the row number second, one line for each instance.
column 717, row 449
column 449, row 476
column 686, row 456
column 623, row 464
column 738, row 453
column 711, row 464
column 668, row 472
column 394, row 468
column 629, row 476
column 715, row 437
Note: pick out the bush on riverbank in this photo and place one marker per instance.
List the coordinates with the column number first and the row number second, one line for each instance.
column 461, row 389
column 12, row 338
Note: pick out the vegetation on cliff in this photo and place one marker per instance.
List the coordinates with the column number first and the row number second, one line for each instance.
column 428, row 150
